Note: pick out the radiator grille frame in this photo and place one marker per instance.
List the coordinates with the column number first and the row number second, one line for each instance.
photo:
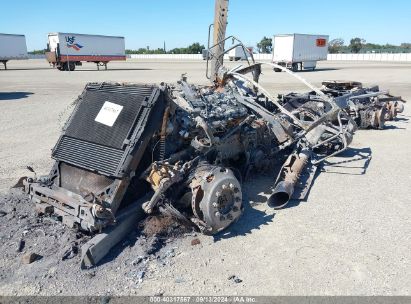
column 100, row 154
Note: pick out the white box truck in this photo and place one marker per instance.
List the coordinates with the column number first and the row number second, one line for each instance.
column 67, row 50
column 12, row 47
column 299, row 51
column 237, row 53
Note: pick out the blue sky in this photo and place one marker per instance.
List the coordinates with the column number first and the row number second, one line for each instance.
column 181, row 22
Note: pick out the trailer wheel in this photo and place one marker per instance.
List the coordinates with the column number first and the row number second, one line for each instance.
column 63, row 66
column 72, row 66
column 277, row 70
column 294, row 67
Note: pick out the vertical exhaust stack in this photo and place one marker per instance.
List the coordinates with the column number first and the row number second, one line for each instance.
column 220, row 26
column 287, row 179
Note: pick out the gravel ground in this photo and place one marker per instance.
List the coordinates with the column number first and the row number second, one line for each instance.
column 351, row 237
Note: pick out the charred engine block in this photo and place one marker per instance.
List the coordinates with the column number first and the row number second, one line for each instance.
column 204, row 118
column 210, row 140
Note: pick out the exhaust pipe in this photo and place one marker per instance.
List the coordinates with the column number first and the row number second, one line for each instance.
column 286, row 180
column 281, row 195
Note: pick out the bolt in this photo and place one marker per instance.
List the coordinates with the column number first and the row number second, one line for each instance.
column 217, row 214
column 231, row 186
column 215, row 205
column 218, row 193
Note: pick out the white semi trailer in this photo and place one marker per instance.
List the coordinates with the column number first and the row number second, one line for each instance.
column 237, row 53
column 67, row 50
column 12, row 47
column 299, row 51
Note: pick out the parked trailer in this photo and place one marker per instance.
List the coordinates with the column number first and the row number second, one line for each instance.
column 67, row 50
column 12, row 47
column 299, row 51
column 237, row 53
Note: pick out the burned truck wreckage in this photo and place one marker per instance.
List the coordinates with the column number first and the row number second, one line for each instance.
column 185, row 150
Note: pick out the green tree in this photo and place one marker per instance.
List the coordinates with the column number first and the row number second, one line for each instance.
column 335, row 45
column 145, row 51
column 195, row 48
column 265, row 45
column 405, row 45
column 356, row 44
column 36, row 52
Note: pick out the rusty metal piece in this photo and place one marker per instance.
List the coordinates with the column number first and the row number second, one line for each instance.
column 148, row 206
column 158, row 173
column 380, row 118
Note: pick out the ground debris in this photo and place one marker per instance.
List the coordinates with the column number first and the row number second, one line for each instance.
column 235, row 279
column 70, row 253
column 153, row 245
column 140, row 275
column 30, row 257
column 20, row 245
column 32, row 237
column 157, row 231
column 179, row 280
column 195, row 242
column 170, row 253
column 159, row 293
column 91, row 274
column 138, row 260
column 164, row 226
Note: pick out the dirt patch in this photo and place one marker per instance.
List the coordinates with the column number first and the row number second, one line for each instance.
column 164, row 226
column 156, row 225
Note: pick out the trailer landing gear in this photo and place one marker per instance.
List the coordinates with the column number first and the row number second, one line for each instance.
column 4, row 62
column 99, row 64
